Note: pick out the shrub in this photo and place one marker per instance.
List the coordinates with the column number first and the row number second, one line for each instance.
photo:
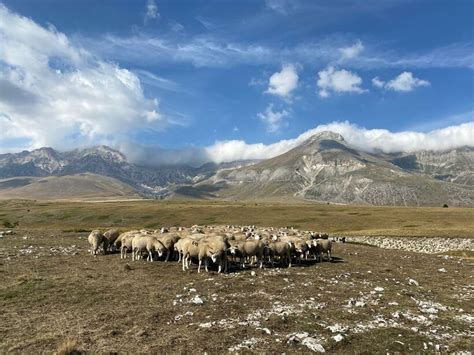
column 445, row 205
column 68, row 347
column 8, row 224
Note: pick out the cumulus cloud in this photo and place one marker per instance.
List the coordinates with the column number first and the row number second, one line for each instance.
column 377, row 82
column 273, row 119
column 339, row 81
column 406, row 82
column 151, row 11
column 284, row 82
column 352, row 51
column 53, row 93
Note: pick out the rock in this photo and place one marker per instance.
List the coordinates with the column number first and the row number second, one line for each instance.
column 379, row 289
column 253, row 273
column 338, row 338
column 313, row 345
column 442, row 270
column 413, row 282
column 296, row 337
column 197, row 300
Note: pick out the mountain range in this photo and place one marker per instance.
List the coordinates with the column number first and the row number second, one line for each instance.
column 324, row 168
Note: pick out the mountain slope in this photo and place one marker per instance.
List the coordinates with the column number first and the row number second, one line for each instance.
column 326, row 168
column 456, row 165
column 80, row 186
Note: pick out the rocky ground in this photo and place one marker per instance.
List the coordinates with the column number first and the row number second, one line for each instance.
column 367, row 300
column 417, row 244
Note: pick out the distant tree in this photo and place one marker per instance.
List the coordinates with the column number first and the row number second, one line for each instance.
column 445, row 205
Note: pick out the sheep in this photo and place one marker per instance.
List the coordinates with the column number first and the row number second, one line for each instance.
column 154, row 245
column 280, row 249
column 126, row 244
column 139, row 245
column 168, row 241
column 248, row 248
column 189, row 249
column 323, row 246
column 300, row 248
column 111, row 236
column 96, row 239
column 118, row 241
column 214, row 249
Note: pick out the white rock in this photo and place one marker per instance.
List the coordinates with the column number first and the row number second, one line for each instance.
column 253, row 273
column 442, row 270
column 205, row 325
column 379, row 289
column 338, row 338
column 313, row 345
column 413, row 282
column 197, row 300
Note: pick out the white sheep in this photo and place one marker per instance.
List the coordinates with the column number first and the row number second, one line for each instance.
column 96, row 239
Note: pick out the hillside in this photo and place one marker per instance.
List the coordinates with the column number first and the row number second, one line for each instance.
column 71, row 187
column 327, row 168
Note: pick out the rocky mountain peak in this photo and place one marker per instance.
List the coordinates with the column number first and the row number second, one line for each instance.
column 326, row 135
column 105, row 153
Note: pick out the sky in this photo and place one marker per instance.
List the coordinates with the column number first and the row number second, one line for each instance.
column 186, row 82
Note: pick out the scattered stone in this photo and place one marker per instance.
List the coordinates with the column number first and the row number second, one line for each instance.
column 197, row 300
column 338, row 338
column 379, row 289
column 413, row 282
column 442, row 270
column 253, row 273
column 313, row 345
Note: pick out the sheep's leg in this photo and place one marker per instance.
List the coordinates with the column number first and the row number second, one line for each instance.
column 199, row 266
column 184, row 263
column 167, row 255
column 206, row 264
column 329, row 255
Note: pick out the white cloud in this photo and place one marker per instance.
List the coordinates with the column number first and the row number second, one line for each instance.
column 273, row 119
column 280, row 6
column 212, row 51
column 377, row 82
column 352, row 51
column 364, row 139
column 53, row 93
column 284, row 82
column 338, row 81
column 151, row 11
column 406, row 82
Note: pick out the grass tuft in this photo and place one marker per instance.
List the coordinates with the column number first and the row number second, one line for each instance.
column 68, row 347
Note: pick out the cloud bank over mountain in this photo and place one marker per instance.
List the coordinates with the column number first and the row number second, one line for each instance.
column 368, row 140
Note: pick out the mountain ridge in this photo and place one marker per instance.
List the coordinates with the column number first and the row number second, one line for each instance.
column 324, row 167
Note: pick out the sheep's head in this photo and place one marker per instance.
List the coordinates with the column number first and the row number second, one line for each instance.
column 214, row 255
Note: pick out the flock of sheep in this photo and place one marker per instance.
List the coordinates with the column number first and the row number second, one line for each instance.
column 219, row 244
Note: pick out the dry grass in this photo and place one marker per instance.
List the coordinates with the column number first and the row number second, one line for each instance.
column 68, row 347
column 350, row 220
column 53, row 291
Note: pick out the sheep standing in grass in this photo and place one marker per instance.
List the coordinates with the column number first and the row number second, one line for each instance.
column 214, row 249
column 248, row 249
column 280, row 249
column 111, row 235
column 323, row 246
column 96, row 239
column 154, row 245
column 168, row 241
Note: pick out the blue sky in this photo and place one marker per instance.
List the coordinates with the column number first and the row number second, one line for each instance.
column 201, row 72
